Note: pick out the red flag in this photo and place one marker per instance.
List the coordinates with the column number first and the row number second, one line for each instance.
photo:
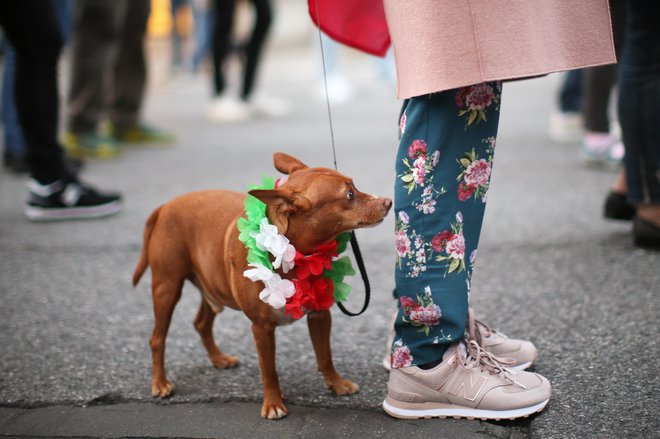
column 357, row 23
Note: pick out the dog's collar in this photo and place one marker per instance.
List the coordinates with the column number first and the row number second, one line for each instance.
column 319, row 280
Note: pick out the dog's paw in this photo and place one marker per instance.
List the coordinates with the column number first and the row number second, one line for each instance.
column 224, row 361
column 343, row 387
column 274, row 410
column 161, row 388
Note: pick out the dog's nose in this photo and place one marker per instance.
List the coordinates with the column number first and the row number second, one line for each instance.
column 387, row 203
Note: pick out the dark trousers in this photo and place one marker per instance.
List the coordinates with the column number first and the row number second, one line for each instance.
column 598, row 82
column 639, row 102
column 33, row 30
column 109, row 72
column 224, row 20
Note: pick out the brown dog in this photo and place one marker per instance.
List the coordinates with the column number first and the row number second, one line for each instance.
column 195, row 237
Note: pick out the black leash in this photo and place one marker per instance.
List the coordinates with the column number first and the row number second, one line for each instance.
column 354, row 243
column 363, row 274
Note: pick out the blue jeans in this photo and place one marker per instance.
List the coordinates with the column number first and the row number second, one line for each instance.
column 639, row 102
column 443, row 171
column 13, row 134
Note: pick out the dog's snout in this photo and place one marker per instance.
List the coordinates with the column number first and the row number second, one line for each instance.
column 387, row 203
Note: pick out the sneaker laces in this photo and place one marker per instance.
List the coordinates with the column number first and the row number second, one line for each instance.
column 478, row 330
column 476, row 356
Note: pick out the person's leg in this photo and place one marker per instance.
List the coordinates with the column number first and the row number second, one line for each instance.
column 129, row 70
column 224, row 20
column 443, row 173
column 570, row 93
column 33, row 32
column 96, row 32
column 14, row 154
column 639, row 113
column 204, row 25
column 263, row 19
column 600, row 146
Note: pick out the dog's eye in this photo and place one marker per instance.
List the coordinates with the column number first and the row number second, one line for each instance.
column 350, row 195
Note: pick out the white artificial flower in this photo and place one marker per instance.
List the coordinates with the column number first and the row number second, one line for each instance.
column 269, row 238
column 259, row 272
column 277, row 291
column 459, row 217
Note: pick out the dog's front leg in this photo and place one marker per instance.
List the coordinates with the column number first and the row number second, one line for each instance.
column 264, row 338
column 319, row 324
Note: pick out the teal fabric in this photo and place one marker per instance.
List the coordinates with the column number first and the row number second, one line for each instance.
column 443, row 170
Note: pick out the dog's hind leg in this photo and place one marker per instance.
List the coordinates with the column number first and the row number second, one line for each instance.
column 166, row 294
column 204, row 326
column 319, row 324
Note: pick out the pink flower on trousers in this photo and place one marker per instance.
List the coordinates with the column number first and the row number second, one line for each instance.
column 479, row 96
column 478, row 173
column 401, row 356
column 417, row 149
column 427, row 316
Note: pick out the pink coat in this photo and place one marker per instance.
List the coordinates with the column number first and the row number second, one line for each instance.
column 445, row 44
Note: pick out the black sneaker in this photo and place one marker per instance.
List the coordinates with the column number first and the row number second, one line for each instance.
column 68, row 199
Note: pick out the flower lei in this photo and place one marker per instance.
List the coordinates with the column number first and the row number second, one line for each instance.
column 319, row 281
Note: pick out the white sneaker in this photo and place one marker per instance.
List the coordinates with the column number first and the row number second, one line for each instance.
column 269, row 106
column 228, row 109
column 566, row 127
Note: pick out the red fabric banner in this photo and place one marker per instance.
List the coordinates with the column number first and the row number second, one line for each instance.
column 356, row 23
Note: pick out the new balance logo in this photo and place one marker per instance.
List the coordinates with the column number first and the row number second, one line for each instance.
column 470, row 391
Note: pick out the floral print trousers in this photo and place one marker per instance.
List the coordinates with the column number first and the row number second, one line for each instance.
column 443, row 169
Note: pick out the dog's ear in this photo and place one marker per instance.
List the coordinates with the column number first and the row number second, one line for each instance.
column 281, row 204
column 287, row 164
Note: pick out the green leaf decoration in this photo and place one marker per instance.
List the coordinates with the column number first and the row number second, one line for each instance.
column 342, row 242
column 407, row 178
column 454, row 265
column 342, row 290
column 255, row 212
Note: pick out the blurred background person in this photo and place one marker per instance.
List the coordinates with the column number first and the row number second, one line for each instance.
column 226, row 106
column 108, row 78
column 639, row 115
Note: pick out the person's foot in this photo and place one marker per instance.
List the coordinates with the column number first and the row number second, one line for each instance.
column 269, row 106
column 468, row 383
column 617, row 207
column 566, row 127
column 646, row 226
column 68, row 199
column 140, row 134
column 227, row 109
column 90, row 145
column 602, row 149
column 518, row 354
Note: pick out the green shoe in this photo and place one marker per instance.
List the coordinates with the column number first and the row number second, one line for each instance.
column 141, row 134
column 91, row 145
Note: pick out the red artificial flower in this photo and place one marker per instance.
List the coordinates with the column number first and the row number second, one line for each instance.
column 314, row 263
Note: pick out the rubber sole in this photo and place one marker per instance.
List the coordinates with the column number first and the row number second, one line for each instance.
column 69, row 213
column 456, row 411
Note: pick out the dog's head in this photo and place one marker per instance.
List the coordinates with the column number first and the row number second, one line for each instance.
column 315, row 205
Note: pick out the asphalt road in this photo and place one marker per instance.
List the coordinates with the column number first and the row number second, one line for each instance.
column 75, row 360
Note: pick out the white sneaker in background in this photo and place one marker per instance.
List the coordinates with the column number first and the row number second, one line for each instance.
column 269, row 106
column 566, row 127
column 228, row 109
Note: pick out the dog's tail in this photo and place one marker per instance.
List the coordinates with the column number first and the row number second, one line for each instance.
column 143, row 263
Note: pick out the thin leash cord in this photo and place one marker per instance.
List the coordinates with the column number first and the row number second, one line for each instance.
column 354, row 243
column 325, row 84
